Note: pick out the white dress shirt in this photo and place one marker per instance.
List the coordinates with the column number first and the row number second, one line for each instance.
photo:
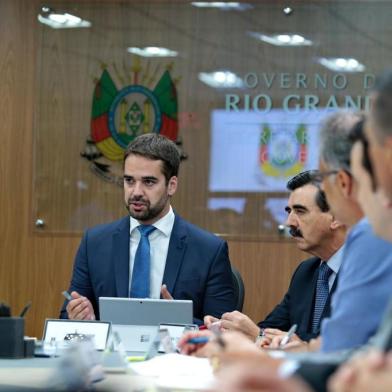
column 334, row 262
column 159, row 246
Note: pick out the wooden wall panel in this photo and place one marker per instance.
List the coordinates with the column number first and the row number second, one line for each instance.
column 36, row 266
column 32, row 267
column 266, row 268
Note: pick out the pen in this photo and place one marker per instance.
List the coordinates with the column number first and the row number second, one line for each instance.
column 205, row 339
column 199, row 340
column 67, row 295
column 288, row 336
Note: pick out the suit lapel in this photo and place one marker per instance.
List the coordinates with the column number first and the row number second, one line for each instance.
column 175, row 254
column 120, row 257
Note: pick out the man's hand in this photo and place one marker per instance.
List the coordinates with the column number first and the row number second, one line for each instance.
column 165, row 292
column 268, row 335
column 294, row 343
column 237, row 321
column 80, row 308
column 234, row 343
column 199, row 350
column 273, row 337
column 209, row 320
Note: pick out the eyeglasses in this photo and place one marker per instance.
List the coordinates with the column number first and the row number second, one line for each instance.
column 318, row 176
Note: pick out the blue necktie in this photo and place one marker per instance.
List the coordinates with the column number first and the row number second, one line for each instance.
column 140, row 284
column 322, row 293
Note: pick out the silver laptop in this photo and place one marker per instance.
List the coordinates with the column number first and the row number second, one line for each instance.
column 137, row 320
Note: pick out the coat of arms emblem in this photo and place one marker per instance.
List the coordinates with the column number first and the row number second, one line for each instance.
column 120, row 114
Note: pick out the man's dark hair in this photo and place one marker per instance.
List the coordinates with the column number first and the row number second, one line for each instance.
column 305, row 178
column 158, row 148
column 381, row 108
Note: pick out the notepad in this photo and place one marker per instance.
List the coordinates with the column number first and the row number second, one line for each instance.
column 176, row 371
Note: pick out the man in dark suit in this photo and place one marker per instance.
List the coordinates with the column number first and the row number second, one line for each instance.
column 318, row 233
column 153, row 252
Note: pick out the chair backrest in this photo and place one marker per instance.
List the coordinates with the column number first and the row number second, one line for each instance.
column 239, row 289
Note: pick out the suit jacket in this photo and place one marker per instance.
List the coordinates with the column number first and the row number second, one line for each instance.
column 197, row 267
column 298, row 303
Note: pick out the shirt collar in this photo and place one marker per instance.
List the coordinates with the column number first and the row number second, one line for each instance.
column 164, row 225
column 335, row 261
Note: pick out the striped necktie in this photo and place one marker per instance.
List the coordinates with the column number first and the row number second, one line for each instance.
column 322, row 293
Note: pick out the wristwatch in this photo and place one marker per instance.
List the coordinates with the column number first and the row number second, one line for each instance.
column 260, row 335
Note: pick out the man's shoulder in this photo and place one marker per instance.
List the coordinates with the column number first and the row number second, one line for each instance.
column 360, row 228
column 364, row 239
column 194, row 231
column 107, row 228
column 308, row 265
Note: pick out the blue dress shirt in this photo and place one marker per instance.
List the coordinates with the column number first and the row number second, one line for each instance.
column 364, row 288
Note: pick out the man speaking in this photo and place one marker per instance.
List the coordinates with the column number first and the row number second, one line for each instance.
column 153, row 252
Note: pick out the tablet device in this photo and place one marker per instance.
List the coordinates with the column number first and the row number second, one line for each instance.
column 137, row 320
column 145, row 311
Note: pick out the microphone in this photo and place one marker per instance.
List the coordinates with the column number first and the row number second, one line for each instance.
column 4, row 310
column 25, row 309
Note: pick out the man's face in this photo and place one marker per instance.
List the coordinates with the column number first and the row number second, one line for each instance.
column 147, row 196
column 310, row 227
column 372, row 203
column 381, row 158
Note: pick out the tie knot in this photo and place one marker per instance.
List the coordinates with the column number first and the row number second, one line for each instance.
column 324, row 271
column 146, row 230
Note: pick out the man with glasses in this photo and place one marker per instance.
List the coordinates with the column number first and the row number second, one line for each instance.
column 365, row 278
column 362, row 294
column 360, row 306
column 364, row 283
column 373, row 371
column 366, row 275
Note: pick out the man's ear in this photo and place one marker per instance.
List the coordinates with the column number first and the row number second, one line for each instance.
column 336, row 224
column 172, row 186
column 345, row 183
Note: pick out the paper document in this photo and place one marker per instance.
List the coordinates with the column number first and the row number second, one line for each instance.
column 177, row 371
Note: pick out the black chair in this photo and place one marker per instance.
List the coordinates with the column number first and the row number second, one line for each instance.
column 239, row 289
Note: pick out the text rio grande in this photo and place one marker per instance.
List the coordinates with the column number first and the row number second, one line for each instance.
column 298, row 94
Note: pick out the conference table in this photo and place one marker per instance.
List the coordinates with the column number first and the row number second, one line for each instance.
column 32, row 374
column 163, row 373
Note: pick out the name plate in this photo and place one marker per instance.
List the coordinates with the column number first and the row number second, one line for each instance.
column 175, row 331
column 62, row 332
